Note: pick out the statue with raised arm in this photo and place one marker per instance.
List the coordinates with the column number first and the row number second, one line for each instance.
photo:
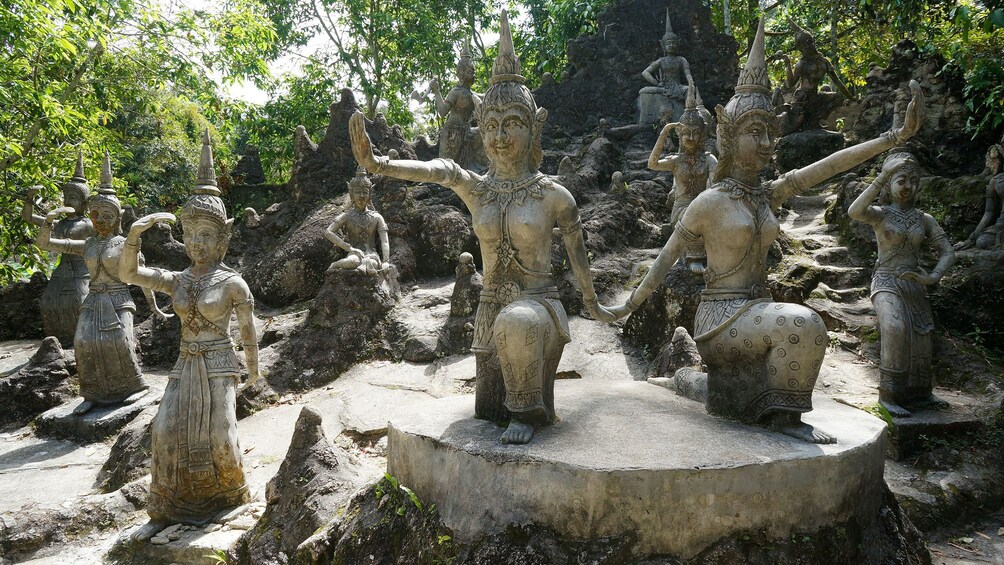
column 520, row 325
column 196, row 468
column 899, row 285
column 103, row 344
column 365, row 231
column 669, row 76
column 691, row 168
column 61, row 300
column 763, row 357
column 989, row 233
column 807, row 106
column 458, row 140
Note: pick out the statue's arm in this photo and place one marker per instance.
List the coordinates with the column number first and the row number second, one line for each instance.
column 243, row 303
column 28, row 209
column 440, row 171
column 384, row 239
column 130, row 269
column 799, row 180
column 939, row 240
column 570, row 225
column 686, row 71
column 443, row 105
column 47, row 242
column 861, row 209
column 654, row 161
column 331, row 234
column 151, row 298
column 836, row 80
column 647, row 73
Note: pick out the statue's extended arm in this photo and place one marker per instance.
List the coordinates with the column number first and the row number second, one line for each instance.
column 805, row 178
column 384, row 241
column 686, row 71
column 442, row 107
column 151, row 298
column 47, row 242
column 836, row 80
column 670, row 254
column 331, row 234
column 438, row 171
column 571, row 234
column 647, row 73
column 28, row 209
column 244, row 306
column 861, row 209
column 990, row 212
column 654, row 162
column 130, row 270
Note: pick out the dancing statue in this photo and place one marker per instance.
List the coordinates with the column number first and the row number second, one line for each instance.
column 520, row 325
column 899, row 285
column 989, row 233
column 691, row 168
column 103, row 344
column 458, row 140
column 364, row 230
column 672, row 75
column 763, row 357
column 196, row 463
column 61, row 300
column 807, row 106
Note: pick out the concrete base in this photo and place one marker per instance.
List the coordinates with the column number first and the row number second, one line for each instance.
column 629, row 458
column 99, row 422
column 914, row 435
column 188, row 544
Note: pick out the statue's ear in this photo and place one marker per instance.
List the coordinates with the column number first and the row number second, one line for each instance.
column 540, row 118
column 722, row 115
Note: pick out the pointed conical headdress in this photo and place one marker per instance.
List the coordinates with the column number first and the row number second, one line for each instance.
column 360, row 180
column 669, row 29
column 106, row 191
column 691, row 116
column 205, row 201
column 465, row 62
column 78, row 183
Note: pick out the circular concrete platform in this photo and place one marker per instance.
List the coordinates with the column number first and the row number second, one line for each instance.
column 628, row 457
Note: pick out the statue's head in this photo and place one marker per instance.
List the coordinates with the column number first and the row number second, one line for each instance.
column 904, row 179
column 509, row 120
column 670, row 41
column 204, row 223
column 693, row 127
column 465, row 66
column 360, row 190
column 804, row 42
column 747, row 125
column 104, row 207
column 75, row 191
column 995, row 159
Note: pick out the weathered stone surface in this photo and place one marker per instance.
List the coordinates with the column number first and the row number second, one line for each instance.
column 248, row 169
column 673, row 304
column 678, row 492
column 802, row 148
column 130, row 455
column 20, row 317
column 680, row 352
column 910, row 436
column 38, row 385
column 158, row 339
column 99, row 422
column 313, row 483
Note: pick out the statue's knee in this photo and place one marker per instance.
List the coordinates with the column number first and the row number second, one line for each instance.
column 517, row 317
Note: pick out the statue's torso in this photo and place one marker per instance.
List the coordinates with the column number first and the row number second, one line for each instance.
column 462, row 108
column 737, row 240
column 361, row 230
column 900, row 237
column 204, row 304
column 810, row 71
column 102, row 259
column 691, row 176
column 671, row 70
column 997, row 184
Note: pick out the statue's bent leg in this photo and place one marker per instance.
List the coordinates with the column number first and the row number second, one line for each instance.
column 348, row 263
column 529, row 341
column 894, row 341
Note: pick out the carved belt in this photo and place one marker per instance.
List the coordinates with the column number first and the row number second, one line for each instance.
column 200, row 347
column 101, row 288
column 756, row 290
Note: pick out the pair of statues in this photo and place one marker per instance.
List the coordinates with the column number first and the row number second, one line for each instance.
column 763, row 357
column 103, row 340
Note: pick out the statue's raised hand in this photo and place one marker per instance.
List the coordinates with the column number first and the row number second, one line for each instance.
column 148, row 221
column 55, row 214
column 32, row 192
column 362, row 147
column 915, row 113
column 434, row 86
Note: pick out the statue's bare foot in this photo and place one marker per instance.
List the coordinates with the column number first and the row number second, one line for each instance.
column 696, row 267
column 332, row 268
column 83, row 408
column 895, row 410
column 931, row 402
column 517, row 432
column 135, row 396
column 148, row 530
column 792, row 425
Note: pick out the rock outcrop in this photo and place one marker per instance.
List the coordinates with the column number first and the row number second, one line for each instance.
column 40, row 384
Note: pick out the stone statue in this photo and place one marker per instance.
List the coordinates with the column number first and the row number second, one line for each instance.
column 807, row 105
column 195, row 455
column 364, row 228
column 103, row 344
column 457, row 139
column 61, row 300
column 691, row 168
column 989, row 233
column 466, row 288
column 763, row 357
column 520, row 326
column 899, row 285
column 672, row 75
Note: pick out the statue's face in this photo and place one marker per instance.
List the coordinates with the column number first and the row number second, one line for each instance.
column 465, row 73
column 804, row 43
column 506, row 133
column 671, row 45
column 74, row 200
column 204, row 240
column 691, row 138
column 903, row 186
column 360, row 197
column 105, row 219
column 754, row 144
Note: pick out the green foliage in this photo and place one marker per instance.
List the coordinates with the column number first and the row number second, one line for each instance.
column 542, row 37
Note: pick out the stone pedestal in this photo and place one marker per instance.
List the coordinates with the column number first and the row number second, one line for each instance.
column 925, row 428
column 99, row 422
column 629, row 458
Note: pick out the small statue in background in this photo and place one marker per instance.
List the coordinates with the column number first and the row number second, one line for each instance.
column 61, row 300
column 672, row 75
column 467, row 287
column 458, row 140
column 365, row 229
column 104, row 344
column 807, row 106
column 691, row 168
column 989, row 233
column 196, row 467
column 899, row 285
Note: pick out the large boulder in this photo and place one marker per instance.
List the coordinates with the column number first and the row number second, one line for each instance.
column 40, row 384
column 20, row 317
